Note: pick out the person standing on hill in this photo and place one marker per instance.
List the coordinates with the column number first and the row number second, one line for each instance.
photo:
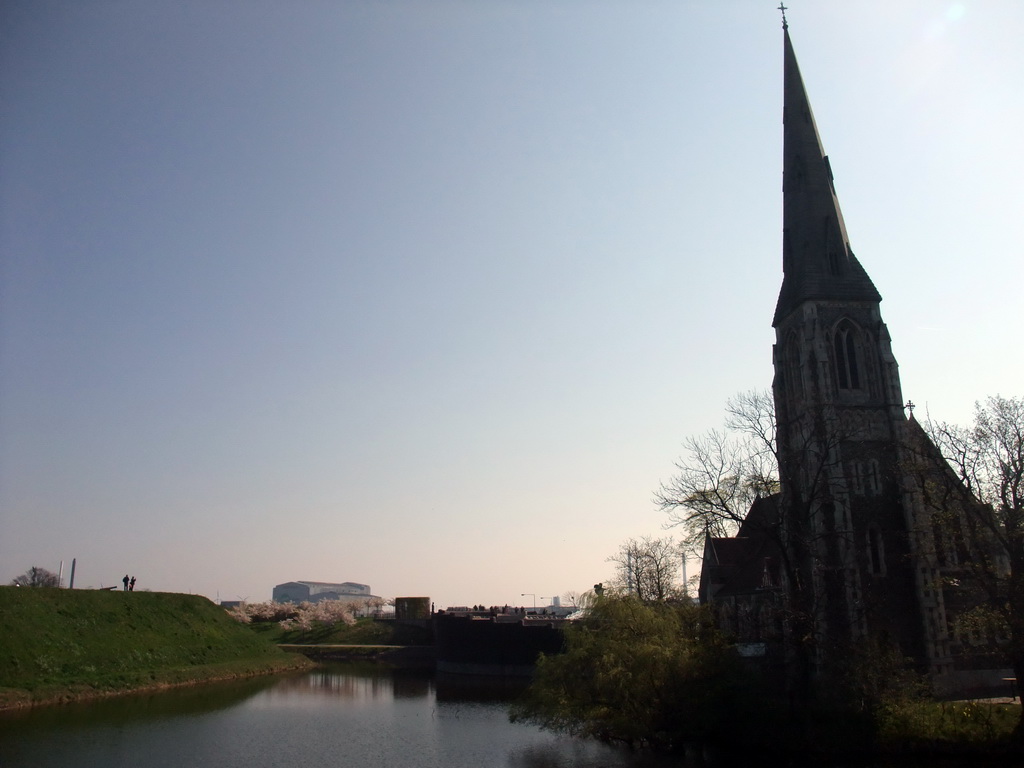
column 131, row 585
column 125, row 582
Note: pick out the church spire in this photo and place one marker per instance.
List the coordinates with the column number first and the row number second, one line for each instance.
column 817, row 261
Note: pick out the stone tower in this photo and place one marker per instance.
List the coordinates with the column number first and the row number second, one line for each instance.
column 849, row 523
column 864, row 540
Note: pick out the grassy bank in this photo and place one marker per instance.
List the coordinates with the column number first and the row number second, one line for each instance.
column 59, row 644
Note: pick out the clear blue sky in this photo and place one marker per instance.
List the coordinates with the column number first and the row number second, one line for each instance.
column 427, row 294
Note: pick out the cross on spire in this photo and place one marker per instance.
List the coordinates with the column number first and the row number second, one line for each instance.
column 782, row 7
column 910, row 407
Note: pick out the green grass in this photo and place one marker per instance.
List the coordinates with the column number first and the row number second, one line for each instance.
column 59, row 643
column 948, row 727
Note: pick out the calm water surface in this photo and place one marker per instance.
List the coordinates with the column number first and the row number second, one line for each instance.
column 348, row 715
column 339, row 716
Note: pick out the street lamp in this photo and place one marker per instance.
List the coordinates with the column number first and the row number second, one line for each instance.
column 531, row 594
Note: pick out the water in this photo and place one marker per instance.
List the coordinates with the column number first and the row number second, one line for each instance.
column 356, row 716
column 337, row 716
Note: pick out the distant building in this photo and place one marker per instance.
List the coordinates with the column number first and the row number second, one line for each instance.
column 412, row 608
column 315, row 591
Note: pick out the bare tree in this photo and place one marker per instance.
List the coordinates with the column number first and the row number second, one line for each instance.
column 37, row 577
column 723, row 472
column 986, row 536
column 649, row 568
column 716, row 484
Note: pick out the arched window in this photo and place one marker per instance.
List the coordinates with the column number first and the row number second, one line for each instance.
column 873, row 478
column 867, row 478
column 858, row 478
column 876, row 552
column 844, row 342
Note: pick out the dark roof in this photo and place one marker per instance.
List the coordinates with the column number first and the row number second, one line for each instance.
column 748, row 562
column 928, row 459
column 729, row 552
column 817, row 260
column 762, row 517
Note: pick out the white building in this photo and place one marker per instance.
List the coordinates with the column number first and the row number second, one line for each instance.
column 314, row 591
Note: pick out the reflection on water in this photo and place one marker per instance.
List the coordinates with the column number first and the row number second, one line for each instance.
column 352, row 715
column 345, row 715
column 120, row 710
column 355, row 681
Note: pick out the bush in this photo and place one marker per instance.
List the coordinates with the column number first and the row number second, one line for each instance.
column 968, row 727
column 659, row 675
column 304, row 616
column 653, row 675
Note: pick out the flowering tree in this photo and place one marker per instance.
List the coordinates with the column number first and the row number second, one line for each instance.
column 303, row 616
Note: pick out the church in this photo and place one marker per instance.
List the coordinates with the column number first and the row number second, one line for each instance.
column 847, row 551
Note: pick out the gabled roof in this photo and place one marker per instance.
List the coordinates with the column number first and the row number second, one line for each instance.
column 762, row 517
column 925, row 457
column 728, row 552
column 817, row 260
column 748, row 562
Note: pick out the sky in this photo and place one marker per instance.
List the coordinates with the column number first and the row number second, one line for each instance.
column 427, row 295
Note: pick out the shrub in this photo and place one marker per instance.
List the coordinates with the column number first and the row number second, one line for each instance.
column 303, row 616
column 653, row 674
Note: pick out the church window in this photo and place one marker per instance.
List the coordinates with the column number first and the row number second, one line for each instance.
column 876, row 552
column 858, row 478
column 844, row 343
column 872, row 478
column 866, row 477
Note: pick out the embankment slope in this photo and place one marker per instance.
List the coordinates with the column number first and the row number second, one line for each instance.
column 61, row 644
